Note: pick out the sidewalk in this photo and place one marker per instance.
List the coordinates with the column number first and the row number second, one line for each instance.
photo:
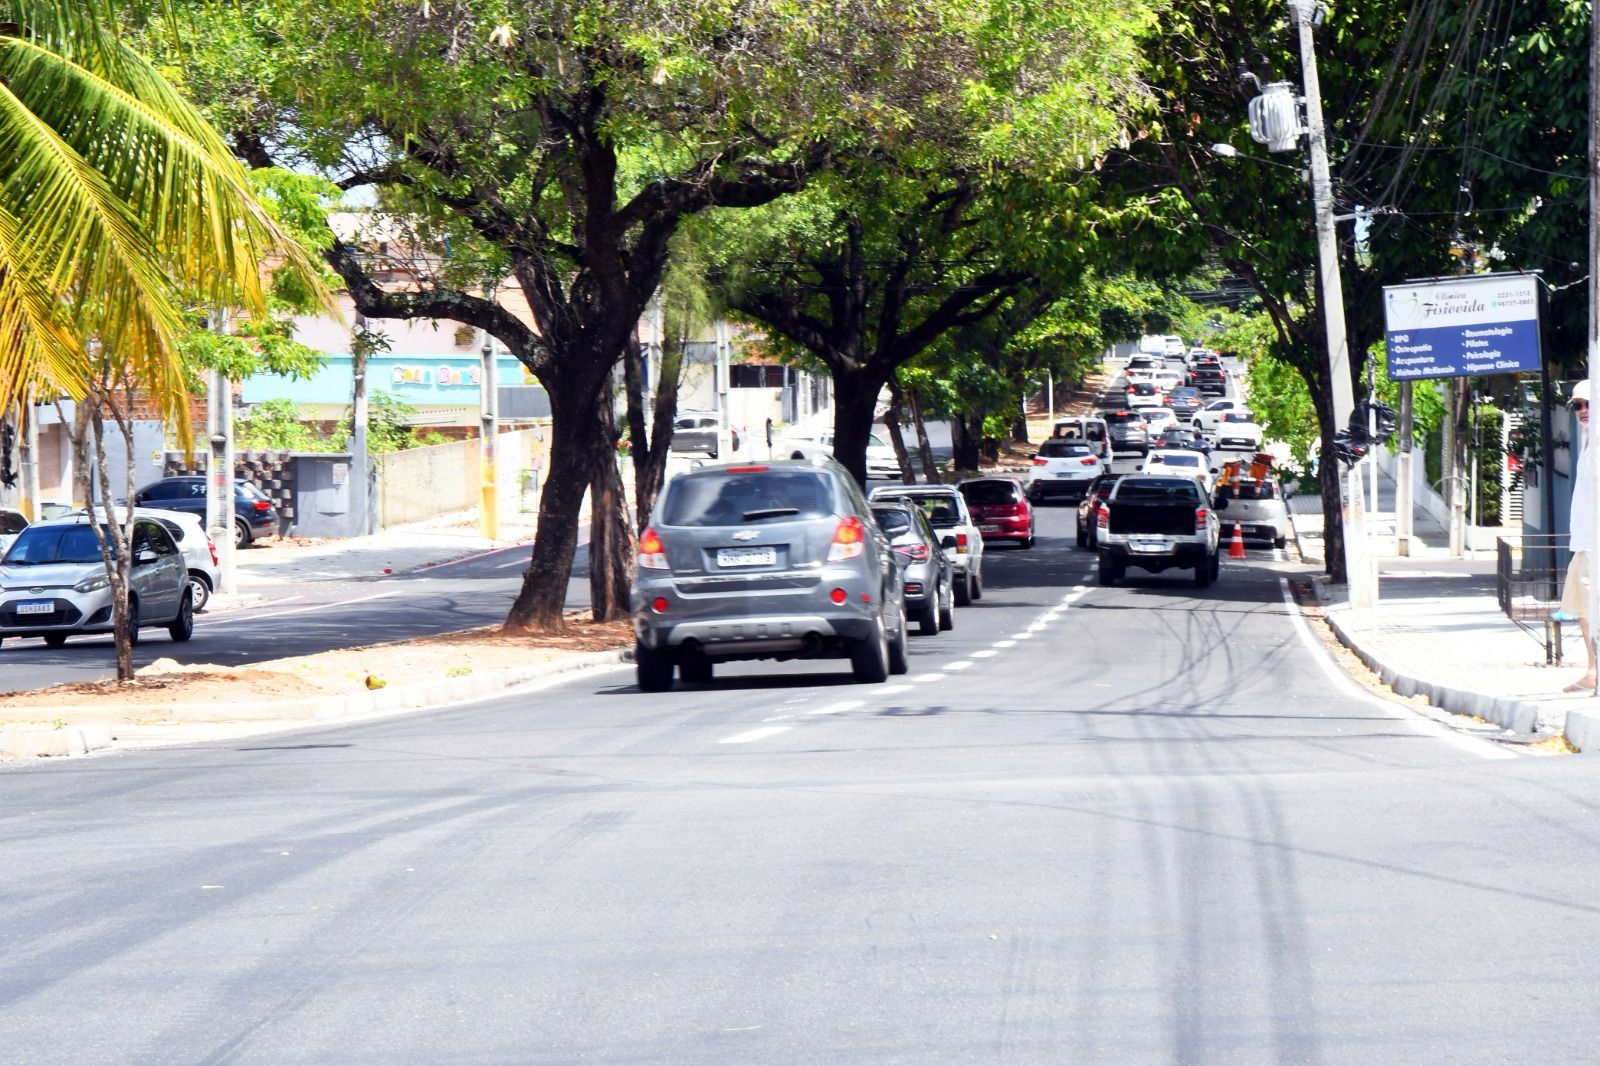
column 1438, row 631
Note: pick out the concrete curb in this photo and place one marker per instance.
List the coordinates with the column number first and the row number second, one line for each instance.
column 1522, row 716
column 91, row 727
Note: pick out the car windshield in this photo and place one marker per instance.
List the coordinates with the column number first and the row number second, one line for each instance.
column 990, row 492
column 941, row 510
column 894, row 520
column 1238, row 416
column 725, row 498
column 1123, row 418
column 1178, row 459
column 1185, row 393
column 1061, row 449
column 1142, row 388
column 44, row 545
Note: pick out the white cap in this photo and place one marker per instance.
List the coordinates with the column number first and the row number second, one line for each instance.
column 1580, row 391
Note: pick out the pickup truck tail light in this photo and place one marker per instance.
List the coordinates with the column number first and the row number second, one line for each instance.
column 1200, row 515
column 1102, row 517
column 961, row 544
column 849, row 540
column 652, row 553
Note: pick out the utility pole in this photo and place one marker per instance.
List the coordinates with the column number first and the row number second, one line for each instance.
column 30, row 458
column 1593, row 606
column 1403, row 501
column 489, row 513
column 360, row 451
column 220, row 518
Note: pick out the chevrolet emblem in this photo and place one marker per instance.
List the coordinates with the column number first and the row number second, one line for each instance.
column 747, row 534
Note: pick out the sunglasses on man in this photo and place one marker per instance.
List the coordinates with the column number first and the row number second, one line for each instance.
column 1578, row 405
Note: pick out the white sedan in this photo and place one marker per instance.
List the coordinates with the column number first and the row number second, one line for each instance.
column 880, row 456
column 1206, row 421
column 1237, row 430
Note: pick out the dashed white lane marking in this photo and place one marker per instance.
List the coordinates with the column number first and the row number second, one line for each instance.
column 1004, row 644
column 1026, row 634
column 891, row 690
column 925, row 678
column 986, row 653
column 756, row 734
column 842, row 706
column 1481, row 748
column 957, row 666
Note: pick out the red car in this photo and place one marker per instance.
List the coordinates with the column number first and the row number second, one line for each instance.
column 1000, row 509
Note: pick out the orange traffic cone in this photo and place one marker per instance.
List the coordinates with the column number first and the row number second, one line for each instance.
column 1236, row 548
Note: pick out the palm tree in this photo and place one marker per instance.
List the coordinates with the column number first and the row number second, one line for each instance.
column 118, row 204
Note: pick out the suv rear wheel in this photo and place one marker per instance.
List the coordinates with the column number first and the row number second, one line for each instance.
column 928, row 617
column 962, row 584
column 899, row 663
column 696, row 671
column 653, row 668
column 1206, row 572
column 869, row 657
column 1110, row 572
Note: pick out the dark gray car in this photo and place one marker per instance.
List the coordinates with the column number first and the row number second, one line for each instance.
column 925, row 571
column 779, row 560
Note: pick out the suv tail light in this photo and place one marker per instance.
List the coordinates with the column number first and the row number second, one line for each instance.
column 1090, row 461
column 652, row 553
column 1199, row 519
column 917, row 552
column 849, row 540
column 1040, row 462
column 263, row 505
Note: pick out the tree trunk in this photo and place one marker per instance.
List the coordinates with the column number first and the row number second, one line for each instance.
column 651, row 448
column 611, row 543
column 116, row 547
column 855, row 395
column 1019, row 429
column 892, row 422
column 576, row 436
column 965, row 443
column 930, row 472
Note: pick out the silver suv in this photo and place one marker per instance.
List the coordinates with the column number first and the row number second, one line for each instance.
column 780, row 560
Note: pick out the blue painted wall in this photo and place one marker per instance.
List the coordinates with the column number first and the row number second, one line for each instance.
column 418, row 380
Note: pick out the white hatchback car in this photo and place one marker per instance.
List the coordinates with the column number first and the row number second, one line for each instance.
column 1179, row 461
column 1206, row 421
column 1237, row 431
column 881, row 461
column 1158, row 419
column 1064, row 469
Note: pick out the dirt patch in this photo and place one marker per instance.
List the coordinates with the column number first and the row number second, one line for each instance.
column 332, row 673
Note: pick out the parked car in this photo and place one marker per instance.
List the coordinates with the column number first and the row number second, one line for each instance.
column 1063, row 469
column 1206, row 421
column 1260, row 509
column 926, row 575
column 1089, row 509
column 254, row 515
column 1185, row 403
column 700, row 432
column 778, row 560
column 53, row 583
column 199, row 553
column 881, row 461
column 1127, row 431
column 946, row 510
column 11, row 523
column 1158, row 523
column 1181, row 462
column 1000, row 507
column 1237, row 430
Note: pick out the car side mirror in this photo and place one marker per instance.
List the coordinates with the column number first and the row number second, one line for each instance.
column 947, row 541
column 146, row 555
column 1221, row 504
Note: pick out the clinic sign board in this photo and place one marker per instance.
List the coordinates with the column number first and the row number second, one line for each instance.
column 1460, row 327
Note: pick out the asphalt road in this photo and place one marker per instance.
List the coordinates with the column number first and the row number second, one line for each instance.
column 1143, row 824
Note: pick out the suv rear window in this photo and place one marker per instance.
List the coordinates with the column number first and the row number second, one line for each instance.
column 985, row 492
column 942, row 511
column 1158, row 489
column 893, row 520
column 722, row 498
column 1122, row 418
column 1142, row 388
column 1061, row 449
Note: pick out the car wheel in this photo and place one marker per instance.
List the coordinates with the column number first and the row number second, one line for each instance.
column 696, row 671
column 977, row 585
column 928, row 617
column 1205, row 573
column 55, row 640
column 898, row 661
column 1280, row 542
column 1083, row 536
column 869, row 656
column 199, row 589
column 1109, row 571
column 133, row 621
column 947, row 611
column 962, row 586
column 182, row 627
column 1026, row 543
column 653, row 668
column 241, row 534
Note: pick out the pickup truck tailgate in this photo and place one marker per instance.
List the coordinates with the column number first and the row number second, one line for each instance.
column 1144, row 517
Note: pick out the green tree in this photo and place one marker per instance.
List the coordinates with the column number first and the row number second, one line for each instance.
column 561, row 146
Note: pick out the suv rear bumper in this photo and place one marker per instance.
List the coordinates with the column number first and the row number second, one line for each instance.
column 756, row 637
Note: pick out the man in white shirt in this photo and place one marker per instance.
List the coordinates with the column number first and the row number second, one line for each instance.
column 1575, row 592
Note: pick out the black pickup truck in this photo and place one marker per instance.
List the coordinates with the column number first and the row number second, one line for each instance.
column 1158, row 522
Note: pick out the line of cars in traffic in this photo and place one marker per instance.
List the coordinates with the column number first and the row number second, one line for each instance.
column 791, row 559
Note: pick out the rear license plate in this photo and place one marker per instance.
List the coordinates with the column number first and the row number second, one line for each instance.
column 36, row 608
column 747, row 556
column 988, row 529
column 1147, row 545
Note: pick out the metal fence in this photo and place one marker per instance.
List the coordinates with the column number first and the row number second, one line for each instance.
column 1528, row 574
